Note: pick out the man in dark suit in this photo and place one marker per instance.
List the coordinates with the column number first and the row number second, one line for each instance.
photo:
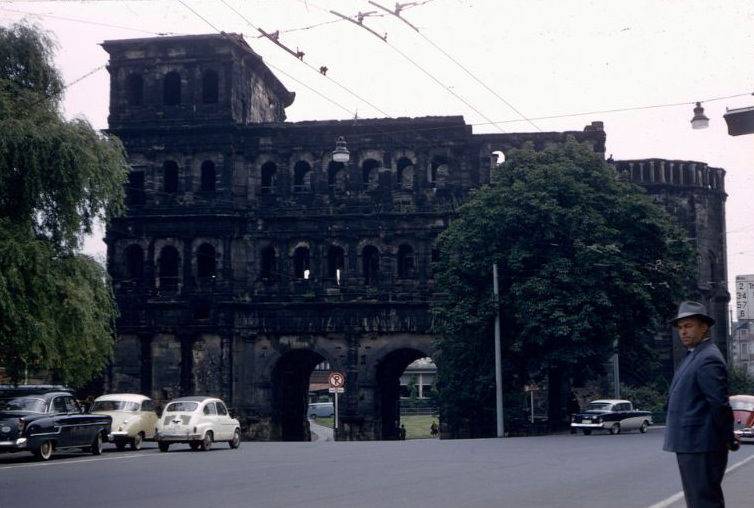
column 699, row 425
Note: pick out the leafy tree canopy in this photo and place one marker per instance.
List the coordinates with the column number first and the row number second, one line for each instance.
column 57, row 179
column 585, row 258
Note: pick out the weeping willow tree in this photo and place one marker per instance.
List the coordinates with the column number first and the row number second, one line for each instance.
column 58, row 178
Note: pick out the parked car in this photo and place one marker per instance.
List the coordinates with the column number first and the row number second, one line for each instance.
column 44, row 422
column 320, row 410
column 134, row 418
column 613, row 415
column 198, row 421
column 743, row 415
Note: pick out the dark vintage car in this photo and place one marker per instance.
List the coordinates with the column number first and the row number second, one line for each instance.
column 743, row 415
column 612, row 415
column 43, row 422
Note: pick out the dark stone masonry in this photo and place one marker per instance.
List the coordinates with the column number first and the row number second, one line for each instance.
column 248, row 256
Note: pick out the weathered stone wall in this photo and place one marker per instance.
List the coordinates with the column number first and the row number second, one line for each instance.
column 247, row 257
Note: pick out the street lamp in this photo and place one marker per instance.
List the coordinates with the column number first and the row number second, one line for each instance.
column 341, row 153
column 700, row 121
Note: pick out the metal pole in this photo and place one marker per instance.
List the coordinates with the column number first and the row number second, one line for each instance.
column 498, row 359
column 616, row 371
column 336, row 410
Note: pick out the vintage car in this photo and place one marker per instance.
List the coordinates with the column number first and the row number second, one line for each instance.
column 198, row 421
column 44, row 422
column 134, row 418
column 743, row 415
column 613, row 415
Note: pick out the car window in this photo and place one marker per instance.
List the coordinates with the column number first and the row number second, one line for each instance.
column 221, row 409
column 23, row 404
column 147, row 405
column 210, row 409
column 114, row 405
column 181, row 407
column 59, row 406
column 71, row 406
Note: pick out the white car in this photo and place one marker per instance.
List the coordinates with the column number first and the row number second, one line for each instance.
column 198, row 421
column 134, row 418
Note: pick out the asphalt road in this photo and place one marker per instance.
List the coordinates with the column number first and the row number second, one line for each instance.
column 627, row 470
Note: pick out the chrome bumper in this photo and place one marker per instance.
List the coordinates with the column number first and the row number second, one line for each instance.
column 16, row 444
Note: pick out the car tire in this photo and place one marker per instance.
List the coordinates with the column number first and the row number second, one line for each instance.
column 136, row 442
column 587, row 432
column 45, row 450
column 120, row 445
column 615, row 429
column 207, row 442
column 96, row 447
column 194, row 445
column 644, row 427
column 163, row 446
column 236, row 441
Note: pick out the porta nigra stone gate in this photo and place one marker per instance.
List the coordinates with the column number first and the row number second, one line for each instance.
column 248, row 256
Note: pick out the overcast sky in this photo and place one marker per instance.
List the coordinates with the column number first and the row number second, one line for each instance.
column 505, row 65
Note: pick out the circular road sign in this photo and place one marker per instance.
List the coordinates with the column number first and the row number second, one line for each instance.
column 336, row 380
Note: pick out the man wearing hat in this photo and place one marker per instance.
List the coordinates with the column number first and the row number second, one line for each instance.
column 699, row 425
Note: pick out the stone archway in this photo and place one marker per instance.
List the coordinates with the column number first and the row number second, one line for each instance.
column 389, row 371
column 290, row 379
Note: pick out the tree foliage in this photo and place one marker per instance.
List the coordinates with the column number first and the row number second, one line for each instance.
column 57, row 179
column 585, row 258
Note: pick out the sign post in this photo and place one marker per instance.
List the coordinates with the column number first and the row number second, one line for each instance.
column 336, row 381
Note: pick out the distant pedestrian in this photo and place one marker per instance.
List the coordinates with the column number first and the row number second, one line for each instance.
column 699, row 424
column 434, row 430
column 402, row 433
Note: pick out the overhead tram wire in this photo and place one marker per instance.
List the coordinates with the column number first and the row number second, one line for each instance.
column 461, row 66
column 426, row 72
column 347, row 90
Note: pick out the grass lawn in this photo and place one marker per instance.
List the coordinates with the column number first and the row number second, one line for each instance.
column 417, row 426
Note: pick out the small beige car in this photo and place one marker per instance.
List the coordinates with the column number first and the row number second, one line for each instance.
column 134, row 418
column 198, row 421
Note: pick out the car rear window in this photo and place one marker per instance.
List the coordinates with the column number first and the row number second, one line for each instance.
column 181, row 407
column 598, row 406
column 114, row 405
column 31, row 404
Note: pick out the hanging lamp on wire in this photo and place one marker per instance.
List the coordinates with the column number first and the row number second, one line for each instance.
column 700, row 120
column 341, row 153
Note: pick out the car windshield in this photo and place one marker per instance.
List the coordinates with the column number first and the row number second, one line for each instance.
column 598, row 406
column 742, row 405
column 31, row 404
column 181, row 407
column 114, row 405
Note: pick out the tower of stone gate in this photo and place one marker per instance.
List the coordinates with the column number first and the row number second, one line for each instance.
column 248, row 255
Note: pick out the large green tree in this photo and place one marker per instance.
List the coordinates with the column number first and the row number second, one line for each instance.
column 585, row 259
column 57, row 179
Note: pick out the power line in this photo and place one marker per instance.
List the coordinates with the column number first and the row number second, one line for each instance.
column 461, row 66
column 422, row 69
column 353, row 94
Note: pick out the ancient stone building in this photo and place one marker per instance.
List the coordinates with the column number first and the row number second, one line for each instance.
column 695, row 194
column 248, row 255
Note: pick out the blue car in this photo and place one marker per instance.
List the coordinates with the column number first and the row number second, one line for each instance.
column 44, row 422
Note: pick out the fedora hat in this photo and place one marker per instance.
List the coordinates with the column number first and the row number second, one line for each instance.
column 692, row 309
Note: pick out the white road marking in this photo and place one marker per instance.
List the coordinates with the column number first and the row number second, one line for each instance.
column 81, row 461
column 679, row 495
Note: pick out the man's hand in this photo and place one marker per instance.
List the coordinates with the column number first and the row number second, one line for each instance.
column 735, row 444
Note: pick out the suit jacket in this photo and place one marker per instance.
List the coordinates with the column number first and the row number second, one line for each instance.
column 699, row 417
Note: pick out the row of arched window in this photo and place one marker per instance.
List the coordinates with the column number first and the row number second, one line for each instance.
column 172, row 88
column 169, row 177
column 205, row 266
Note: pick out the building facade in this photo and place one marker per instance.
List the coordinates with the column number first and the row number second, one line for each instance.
column 248, row 256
